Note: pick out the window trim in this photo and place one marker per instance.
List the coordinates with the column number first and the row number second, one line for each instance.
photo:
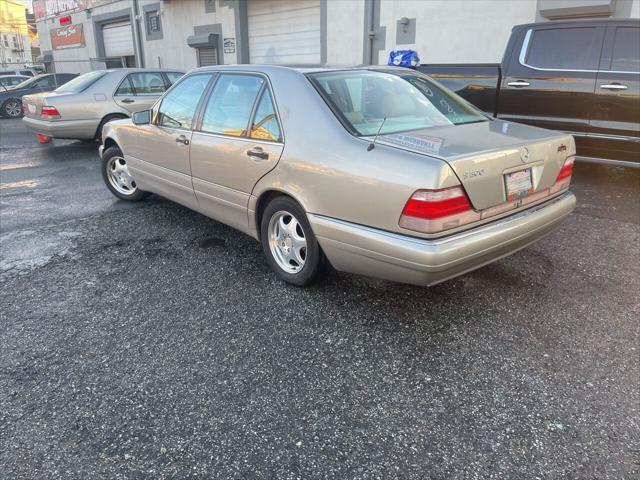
column 524, row 50
column 197, row 126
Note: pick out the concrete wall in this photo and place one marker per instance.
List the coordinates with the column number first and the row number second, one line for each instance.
column 442, row 31
column 456, row 30
column 77, row 60
column 178, row 22
column 345, row 31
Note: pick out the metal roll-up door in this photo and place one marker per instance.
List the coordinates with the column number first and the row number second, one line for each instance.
column 207, row 56
column 118, row 39
column 285, row 32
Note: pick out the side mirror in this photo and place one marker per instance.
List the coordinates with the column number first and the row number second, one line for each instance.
column 142, row 118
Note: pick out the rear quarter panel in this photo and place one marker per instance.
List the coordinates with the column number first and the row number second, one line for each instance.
column 330, row 172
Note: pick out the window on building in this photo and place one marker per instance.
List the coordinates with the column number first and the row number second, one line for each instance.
column 230, row 104
column 179, row 105
column 153, row 24
column 565, row 48
column 154, row 21
column 5, row 40
column 265, row 122
column 207, row 56
column 626, row 50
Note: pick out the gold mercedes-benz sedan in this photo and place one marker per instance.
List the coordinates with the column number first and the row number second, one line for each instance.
column 376, row 171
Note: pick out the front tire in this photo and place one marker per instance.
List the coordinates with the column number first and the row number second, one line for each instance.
column 12, row 108
column 116, row 176
column 289, row 244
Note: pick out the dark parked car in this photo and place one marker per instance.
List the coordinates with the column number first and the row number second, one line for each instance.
column 7, row 81
column 11, row 98
column 581, row 77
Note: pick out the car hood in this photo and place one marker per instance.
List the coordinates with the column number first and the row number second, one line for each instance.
column 482, row 153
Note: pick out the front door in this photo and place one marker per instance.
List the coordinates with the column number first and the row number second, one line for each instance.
column 139, row 91
column 550, row 82
column 158, row 156
column 238, row 141
column 615, row 122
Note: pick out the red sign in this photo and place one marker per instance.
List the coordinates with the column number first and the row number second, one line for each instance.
column 65, row 20
column 70, row 36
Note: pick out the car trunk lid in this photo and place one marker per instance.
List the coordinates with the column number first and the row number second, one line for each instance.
column 32, row 104
column 482, row 154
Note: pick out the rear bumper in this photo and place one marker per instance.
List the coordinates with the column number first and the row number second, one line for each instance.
column 80, row 129
column 367, row 251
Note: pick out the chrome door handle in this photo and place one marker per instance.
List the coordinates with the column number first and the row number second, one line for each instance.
column 257, row 154
column 128, row 100
column 183, row 140
column 613, row 86
column 519, row 83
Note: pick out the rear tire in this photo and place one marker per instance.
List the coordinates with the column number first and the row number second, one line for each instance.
column 116, row 176
column 289, row 244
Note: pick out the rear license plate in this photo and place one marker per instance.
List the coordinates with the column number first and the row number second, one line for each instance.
column 32, row 108
column 518, row 184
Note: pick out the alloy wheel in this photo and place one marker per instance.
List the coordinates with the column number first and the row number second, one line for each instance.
column 119, row 176
column 287, row 241
column 13, row 109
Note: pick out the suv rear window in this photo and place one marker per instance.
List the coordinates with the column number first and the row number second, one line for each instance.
column 565, row 48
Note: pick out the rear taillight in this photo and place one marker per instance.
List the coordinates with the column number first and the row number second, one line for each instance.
column 567, row 169
column 432, row 211
column 48, row 112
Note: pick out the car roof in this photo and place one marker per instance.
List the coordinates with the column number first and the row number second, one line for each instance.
column 302, row 69
column 135, row 70
column 581, row 21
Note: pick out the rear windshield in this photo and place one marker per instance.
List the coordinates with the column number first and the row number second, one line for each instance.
column 363, row 99
column 81, row 83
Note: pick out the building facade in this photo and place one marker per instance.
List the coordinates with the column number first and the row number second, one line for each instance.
column 82, row 35
column 15, row 45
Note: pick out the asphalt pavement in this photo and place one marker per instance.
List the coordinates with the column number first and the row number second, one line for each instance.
column 148, row 341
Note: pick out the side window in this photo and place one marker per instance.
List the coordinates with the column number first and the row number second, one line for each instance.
column 265, row 122
column 147, row 83
column 46, row 82
column 26, row 72
column 565, row 48
column 179, row 105
column 230, row 104
column 125, row 87
column 626, row 50
column 174, row 77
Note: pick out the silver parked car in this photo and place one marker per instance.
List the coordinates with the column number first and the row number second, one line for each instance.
column 80, row 109
column 378, row 171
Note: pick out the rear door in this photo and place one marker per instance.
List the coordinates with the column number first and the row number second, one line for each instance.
column 550, row 81
column 139, row 91
column 237, row 141
column 615, row 121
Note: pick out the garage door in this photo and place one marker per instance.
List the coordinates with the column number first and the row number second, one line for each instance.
column 284, row 32
column 118, row 39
